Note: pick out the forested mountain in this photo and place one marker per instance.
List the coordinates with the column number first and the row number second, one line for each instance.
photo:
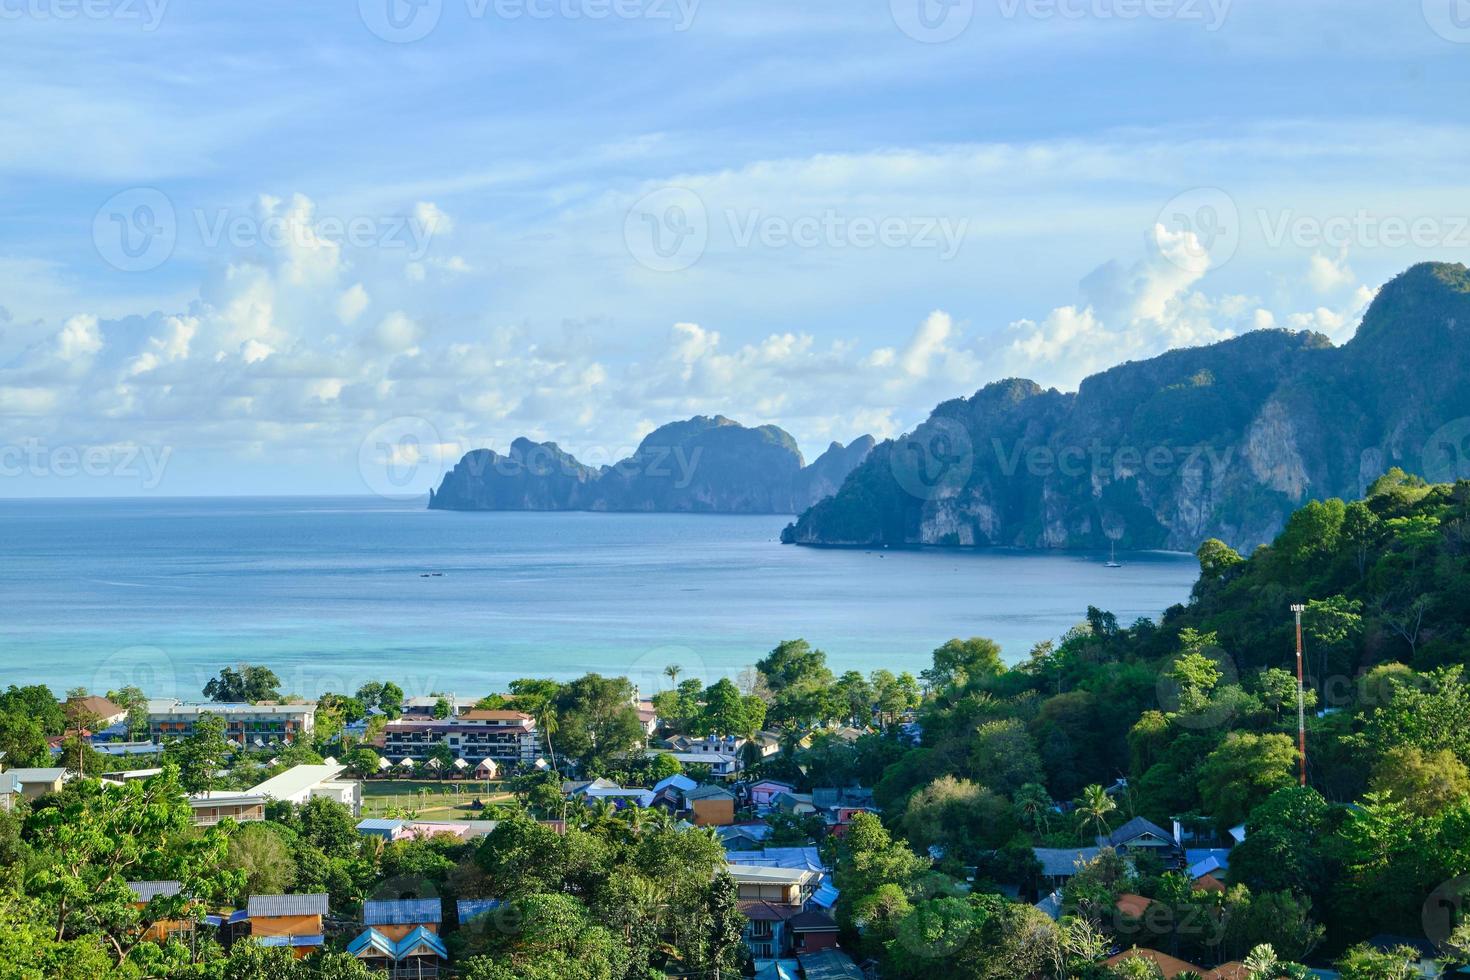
column 1223, row 441
column 701, row 465
column 1197, row 715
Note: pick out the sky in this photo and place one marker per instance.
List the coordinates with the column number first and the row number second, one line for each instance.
column 307, row 248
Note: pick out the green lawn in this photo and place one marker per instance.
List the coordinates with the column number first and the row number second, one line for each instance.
column 431, row 799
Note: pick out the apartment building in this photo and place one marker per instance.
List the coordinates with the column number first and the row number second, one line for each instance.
column 507, row 737
column 250, row 725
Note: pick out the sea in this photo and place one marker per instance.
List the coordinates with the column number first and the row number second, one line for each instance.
column 331, row 592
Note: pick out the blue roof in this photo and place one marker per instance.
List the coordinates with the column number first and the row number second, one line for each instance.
column 374, row 825
column 825, row 896
column 412, row 911
column 370, row 941
column 472, row 908
column 316, row 940
column 239, row 915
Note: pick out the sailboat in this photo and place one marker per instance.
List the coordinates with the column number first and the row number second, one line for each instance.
column 1113, row 556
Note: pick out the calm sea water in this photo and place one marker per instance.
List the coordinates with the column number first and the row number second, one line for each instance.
column 331, row 592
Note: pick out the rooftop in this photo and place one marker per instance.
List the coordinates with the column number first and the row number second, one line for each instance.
column 295, row 781
column 270, row 906
column 412, row 911
column 36, row 775
column 761, row 875
column 146, row 891
column 173, row 706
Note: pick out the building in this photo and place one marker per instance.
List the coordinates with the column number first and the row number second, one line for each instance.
column 94, row 712
column 424, row 706
column 31, row 783
column 506, row 737
column 213, row 806
column 775, row 904
column 1172, row 967
column 302, row 783
column 1059, row 864
column 160, row 930
column 248, row 725
column 712, row 806
column 293, row 921
column 764, row 793
column 401, row 938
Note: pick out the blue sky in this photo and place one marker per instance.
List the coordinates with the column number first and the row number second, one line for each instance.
column 256, row 244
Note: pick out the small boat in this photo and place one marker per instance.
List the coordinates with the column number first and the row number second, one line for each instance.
column 1113, row 557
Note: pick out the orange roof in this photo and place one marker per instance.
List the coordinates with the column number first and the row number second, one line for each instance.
column 1208, row 883
column 101, row 707
column 1134, row 905
column 1167, row 964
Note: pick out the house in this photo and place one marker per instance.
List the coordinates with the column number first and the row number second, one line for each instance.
column 1133, row 906
column 764, row 793
column 487, row 769
column 389, row 830
column 9, row 790
column 245, row 724
column 796, row 804
column 774, row 902
column 839, row 805
column 767, row 744
column 161, row 930
column 301, row 783
column 713, row 806
column 1200, row 862
column 401, row 938
column 1138, row 835
column 1059, row 864
column 792, row 858
column 648, row 718
column 749, row 836
column 31, row 783
column 722, row 765
column 506, row 737
column 213, row 806
column 94, row 712
column 293, row 921
column 1172, row 967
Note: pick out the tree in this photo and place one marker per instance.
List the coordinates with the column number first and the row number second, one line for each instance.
column 23, row 740
column 97, row 837
column 1003, row 756
column 1095, row 809
column 363, row 762
column 1243, row 771
column 263, row 860
column 598, row 719
column 797, row 676
column 442, row 709
column 959, row 818
column 958, row 663
column 1216, row 558
column 1363, row 962
column 1427, row 782
column 247, row 683
column 200, row 754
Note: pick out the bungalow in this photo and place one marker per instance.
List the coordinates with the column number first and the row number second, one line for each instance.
column 293, row 921
column 302, row 783
column 487, row 769
column 401, row 938
column 749, row 836
column 32, row 783
column 713, row 806
column 722, row 765
column 839, row 805
column 1171, row 967
column 795, row 804
column 785, row 886
column 159, row 930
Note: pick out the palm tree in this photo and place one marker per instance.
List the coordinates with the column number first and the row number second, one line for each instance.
column 1094, row 807
column 672, row 672
column 545, row 715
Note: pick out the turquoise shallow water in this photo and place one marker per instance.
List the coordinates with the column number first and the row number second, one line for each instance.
column 330, row 593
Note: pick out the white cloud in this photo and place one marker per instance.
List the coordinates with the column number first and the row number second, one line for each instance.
column 351, row 303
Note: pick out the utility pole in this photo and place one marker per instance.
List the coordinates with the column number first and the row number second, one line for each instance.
column 1301, row 699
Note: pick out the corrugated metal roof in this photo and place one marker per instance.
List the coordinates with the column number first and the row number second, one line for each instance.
column 473, row 908
column 146, row 891
column 404, row 912
column 269, row 906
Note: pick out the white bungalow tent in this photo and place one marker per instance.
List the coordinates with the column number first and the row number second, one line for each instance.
column 487, row 769
column 405, row 763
